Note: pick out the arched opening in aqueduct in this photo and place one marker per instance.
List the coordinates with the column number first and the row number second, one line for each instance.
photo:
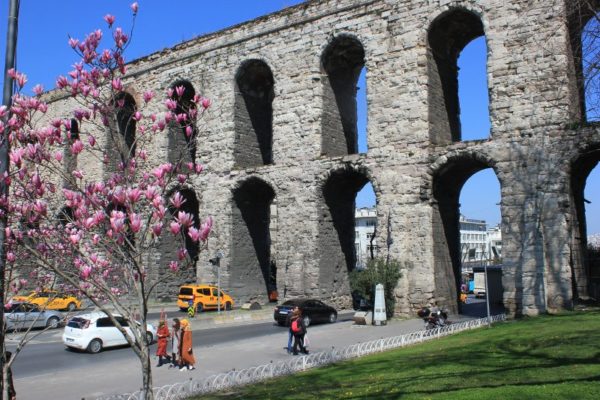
column 342, row 63
column 169, row 246
column 448, row 35
column 584, row 26
column 336, row 237
column 253, row 116
column 121, row 141
column 447, row 185
column 586, row 256
column 253, row 273
column 183, row 133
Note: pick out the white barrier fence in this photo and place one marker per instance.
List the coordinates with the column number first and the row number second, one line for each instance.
column 247, row 376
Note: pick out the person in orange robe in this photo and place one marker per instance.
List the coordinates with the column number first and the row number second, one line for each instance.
column 161, row 347
column 186, row 354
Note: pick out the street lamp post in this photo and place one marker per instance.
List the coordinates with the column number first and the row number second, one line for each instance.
column 217, row 262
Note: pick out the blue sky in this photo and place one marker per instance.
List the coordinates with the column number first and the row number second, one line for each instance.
column 43, row 54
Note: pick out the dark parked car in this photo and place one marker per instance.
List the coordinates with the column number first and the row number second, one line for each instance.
column 313, row 311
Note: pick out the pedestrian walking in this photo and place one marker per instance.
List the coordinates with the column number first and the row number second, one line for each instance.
column 174, row 343
column 299, row 330
column 161, row 343
column 288, row 323
column 186, row 354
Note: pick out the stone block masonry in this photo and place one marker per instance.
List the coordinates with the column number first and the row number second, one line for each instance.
column 280, row 150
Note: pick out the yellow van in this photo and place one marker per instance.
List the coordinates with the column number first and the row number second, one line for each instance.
column 204, row 296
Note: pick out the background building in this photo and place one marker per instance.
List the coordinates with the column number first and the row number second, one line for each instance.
column 365, row 222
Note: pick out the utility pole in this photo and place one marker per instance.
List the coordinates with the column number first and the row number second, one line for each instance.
column 11, row 49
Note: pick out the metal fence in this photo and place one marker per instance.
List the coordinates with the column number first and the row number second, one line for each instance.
column 247, row 376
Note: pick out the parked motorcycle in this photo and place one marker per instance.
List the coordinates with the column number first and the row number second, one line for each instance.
column 435, row 318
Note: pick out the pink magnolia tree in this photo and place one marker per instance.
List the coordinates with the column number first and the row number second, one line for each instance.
column 96, row 236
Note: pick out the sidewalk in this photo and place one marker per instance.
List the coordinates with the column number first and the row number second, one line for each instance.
column 125, row 376
column 211, row 319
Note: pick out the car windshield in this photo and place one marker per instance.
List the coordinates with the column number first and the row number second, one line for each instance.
column 186, row 291
column 77, row 322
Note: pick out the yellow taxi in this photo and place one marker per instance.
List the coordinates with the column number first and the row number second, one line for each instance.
column 205, row 297
column 51, row 300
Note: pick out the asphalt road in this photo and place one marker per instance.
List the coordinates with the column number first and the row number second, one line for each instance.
column 47, row 352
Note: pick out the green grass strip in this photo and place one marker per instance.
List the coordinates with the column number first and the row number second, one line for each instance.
column 547, row 357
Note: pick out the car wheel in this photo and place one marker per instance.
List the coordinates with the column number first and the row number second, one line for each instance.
column 72, row 306
column 149, row 337
column 228, row 306
column 332, row 317
column 199, row 307
column 306, row 320
column 95, row 346
column 52, row 322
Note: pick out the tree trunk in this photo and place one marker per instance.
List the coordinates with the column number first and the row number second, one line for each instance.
column 147, row 392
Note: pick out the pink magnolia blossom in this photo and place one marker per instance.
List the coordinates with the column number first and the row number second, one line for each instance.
column 180, row 90
column 135, row 222
column 148, row 95
column 77, row 147
column 206, row 228
column 134, row 7
column 38, row 89
column 205, row 102
column 85, row 272
column 170, row 104
column 117, row 85
column 73, row 42
column 181, row 253
column 174, row 266
column 194, row 234
column 185, row 219
column 133, row 195
column 177, row 200
column 117, row 221
column 92, row 140
column 156, row 229
column 188, row 131
column 110, row 20
column 58, row 156
column 10, row 256
column 175, row 228
column 77, row 174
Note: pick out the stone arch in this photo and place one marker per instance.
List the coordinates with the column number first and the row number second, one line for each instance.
column 182, row 144
column 253, row 273
column 449, row 175
column 582, row 270
column 341, row 62
column 126, row 108
column 578, row 16
column 169, row 245
column 448, row 34
column 254, row 94
column 337, row 253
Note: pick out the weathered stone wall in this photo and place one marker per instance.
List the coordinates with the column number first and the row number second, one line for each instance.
column 416, row 161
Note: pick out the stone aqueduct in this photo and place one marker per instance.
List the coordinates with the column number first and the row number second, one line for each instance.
column 282, row 163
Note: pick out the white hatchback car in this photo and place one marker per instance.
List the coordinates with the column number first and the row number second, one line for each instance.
column 95, row 331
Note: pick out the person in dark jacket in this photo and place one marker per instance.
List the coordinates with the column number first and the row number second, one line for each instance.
column 299, row 330
column 288, row 323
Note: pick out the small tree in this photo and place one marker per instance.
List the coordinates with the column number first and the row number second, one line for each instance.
column 101, row 241
column 379, row 270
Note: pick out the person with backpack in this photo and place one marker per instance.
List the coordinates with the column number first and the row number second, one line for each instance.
column 288, row 322
column 298, row 329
